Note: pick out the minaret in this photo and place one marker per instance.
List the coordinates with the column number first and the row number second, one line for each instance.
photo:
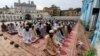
column 29, row 2
column 18, row 1
column 32, row 2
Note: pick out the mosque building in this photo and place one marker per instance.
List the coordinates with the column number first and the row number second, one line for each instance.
column 21, row 11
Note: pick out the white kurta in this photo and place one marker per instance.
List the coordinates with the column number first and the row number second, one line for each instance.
column 56, row 39
column 16, row 28
column 27, row 36
column 59, row 36
column 20, row 31
column 43, row 30
column 55, row 25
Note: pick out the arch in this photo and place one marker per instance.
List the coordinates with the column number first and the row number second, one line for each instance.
column 28, row 17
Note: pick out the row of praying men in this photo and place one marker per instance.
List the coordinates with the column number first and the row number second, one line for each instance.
column 53, row 33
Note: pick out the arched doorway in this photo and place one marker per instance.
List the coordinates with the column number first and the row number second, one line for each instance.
column 27, row 17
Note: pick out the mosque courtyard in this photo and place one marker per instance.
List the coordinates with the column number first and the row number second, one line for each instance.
column 68, row 47
column 34, row 28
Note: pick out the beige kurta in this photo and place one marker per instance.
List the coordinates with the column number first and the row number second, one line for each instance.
column 65, row 30
column 50, row 45
column 34, row 34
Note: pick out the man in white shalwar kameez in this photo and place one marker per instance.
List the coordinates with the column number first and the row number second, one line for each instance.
column 20, row 31
column 27, row 35
column 50, row 49
column 37, row 26
column 43, row 30
column 55, row 25
column 56, row 38
column 16, row 27
column 59, row 35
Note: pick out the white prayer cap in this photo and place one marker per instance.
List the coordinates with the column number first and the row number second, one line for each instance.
column 51, row 31
column 54, row 28
column 44, row 24
column 48, row 22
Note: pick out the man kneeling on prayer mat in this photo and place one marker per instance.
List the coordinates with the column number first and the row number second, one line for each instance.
column 56, row 38
column 51, row 49
column 11, row 29
column 27, row 35
column 3, row 27
column 34, row 35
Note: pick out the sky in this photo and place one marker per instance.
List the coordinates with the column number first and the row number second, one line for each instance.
column 63, row 4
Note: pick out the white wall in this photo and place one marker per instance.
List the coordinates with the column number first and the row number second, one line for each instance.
column 10, row 16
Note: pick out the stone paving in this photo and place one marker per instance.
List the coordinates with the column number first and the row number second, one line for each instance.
column 9, row 50
column 35, row 49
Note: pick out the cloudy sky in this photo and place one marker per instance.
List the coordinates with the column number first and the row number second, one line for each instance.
column 63, row 4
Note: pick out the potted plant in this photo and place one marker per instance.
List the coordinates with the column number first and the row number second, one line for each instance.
column 90, row 53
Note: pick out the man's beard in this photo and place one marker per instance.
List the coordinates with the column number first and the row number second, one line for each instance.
column 51, row 35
